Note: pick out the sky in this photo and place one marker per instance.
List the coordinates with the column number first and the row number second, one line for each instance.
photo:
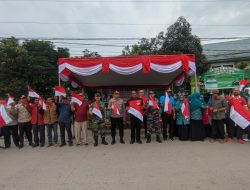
column 119, row 19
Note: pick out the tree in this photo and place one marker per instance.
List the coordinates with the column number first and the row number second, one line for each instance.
column 31, row 63
column 178, row 39
column 87, row 53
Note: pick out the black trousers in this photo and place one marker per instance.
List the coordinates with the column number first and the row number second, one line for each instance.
column 145, row 118
column 234, row 130
column 218, row 130
column 7, row 132
column 135, row 128
column 168, row 121
column 183, row 131
column 25, row 128
column 67, row 127
column 197, row 131
column 39, row 134
column 117, row 122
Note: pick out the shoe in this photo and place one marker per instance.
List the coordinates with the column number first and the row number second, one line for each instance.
column 34, row 145
column 172, row 138
column 78, row 144
column 229, row 139
column 222, row 141
column 63, row 144
column 148, row 139
column 240, row 141
column 132, row 142
column 85, row 144
column 41, row 145
column 158, row 139
column 113, row 141
column 21, row 146
column 96, row 141
column 122, row 141
column 211, row 140
column 49, row 145
column 104, row 141
column 55, row 145
column 246, row 140
column 139, row 142
column 165, row 138
column 70, row 144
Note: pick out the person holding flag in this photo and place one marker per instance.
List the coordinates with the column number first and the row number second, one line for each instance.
column 182, row 118
column 98, row 117
column 232, row 127
column 134, row 106
column 24, row 118
column 168, row 115
column 37, row 122
column 144, row 99
column 117, row 116
column 153, row 117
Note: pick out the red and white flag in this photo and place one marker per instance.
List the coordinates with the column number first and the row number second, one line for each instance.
column 4, row 117
column 10, row 100
column 42, row 102
column 76, row 98
column 167, row 105
column 135, row 109
column 60, row 91
column 32, row 93
column 115, row 108
column 96, row 110
column 239, row 114
column 242, row 84
column 184, row 109
column 152, row 102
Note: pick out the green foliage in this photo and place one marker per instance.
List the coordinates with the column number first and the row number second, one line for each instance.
column 31, row 63
column 178, row 39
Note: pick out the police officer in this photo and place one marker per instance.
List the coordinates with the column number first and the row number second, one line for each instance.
column 98, row 113
column 153, row 119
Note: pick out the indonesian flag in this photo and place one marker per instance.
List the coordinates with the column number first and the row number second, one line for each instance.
column 96, row 110
column 42, row 102
column 135, row 109
column 59, row 91
column 32, row 93
column 10, row 100
column 184, row 109
column 4, row 118
column 115, row 108
column 153, row 103
column 242, row 84
column 167, row 105
column 239, row 114
column 76, row 98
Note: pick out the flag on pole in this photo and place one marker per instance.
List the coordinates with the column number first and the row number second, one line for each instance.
column 4, row 118
column 242, row 84
column 135, row 109
column 115, row 108
column 184, row 109
column 60, row 91
column 32, row 93
column 239, row 114
column 10, row 100
column 96, row 110
column 76, row 98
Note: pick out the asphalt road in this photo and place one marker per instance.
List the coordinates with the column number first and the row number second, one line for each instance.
column 171, row 165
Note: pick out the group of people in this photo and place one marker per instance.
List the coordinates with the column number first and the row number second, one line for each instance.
column 207, row 116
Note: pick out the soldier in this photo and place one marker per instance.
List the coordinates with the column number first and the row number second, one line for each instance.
column 153, row 119
column 98, row 113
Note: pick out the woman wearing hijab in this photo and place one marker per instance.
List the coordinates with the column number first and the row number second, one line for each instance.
column 182, row 122
column 197, row 132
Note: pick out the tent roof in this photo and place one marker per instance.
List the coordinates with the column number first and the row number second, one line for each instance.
column 115, row 72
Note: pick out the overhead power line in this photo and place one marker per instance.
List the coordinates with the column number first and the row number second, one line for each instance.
column 127, row 1
column 118, row 24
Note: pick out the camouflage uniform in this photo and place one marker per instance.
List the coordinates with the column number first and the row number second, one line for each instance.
column 98, row 125
column 153, row 120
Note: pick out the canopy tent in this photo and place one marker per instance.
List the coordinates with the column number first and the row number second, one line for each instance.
column 114, row 72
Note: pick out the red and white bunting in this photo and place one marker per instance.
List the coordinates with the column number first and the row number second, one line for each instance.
column 184, row 109
column 239, row 114
column 4, row 118
column 96, row 110
column 60, row 91
column 76, row 98
column 135, row 109
column 32, row 93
